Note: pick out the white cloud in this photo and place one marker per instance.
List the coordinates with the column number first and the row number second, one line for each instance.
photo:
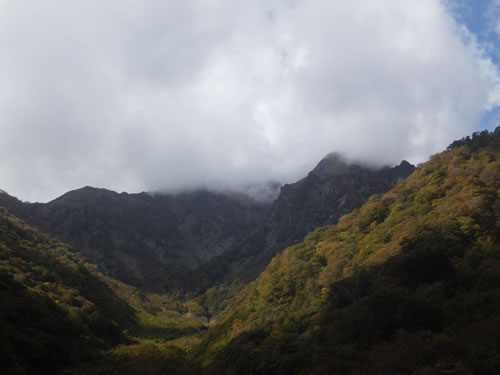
column 146, row 95
column 493, row 13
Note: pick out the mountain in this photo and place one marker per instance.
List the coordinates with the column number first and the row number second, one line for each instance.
column 192, row 240
column 54, row 310
column 146, row 240
column 333, row 188
column 59, row 314
column 407, row 284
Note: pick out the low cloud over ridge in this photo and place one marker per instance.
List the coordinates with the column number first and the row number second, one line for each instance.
column 150, row 95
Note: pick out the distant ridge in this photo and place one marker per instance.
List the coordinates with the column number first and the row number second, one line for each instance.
column 179, row 241
column 146, row 240
column 333, row 188
column 407, row 284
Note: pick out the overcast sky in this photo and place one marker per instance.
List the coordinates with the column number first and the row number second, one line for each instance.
column 137, row 95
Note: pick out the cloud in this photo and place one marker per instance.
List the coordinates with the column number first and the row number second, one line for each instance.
column 492, row 14
column 165, row 95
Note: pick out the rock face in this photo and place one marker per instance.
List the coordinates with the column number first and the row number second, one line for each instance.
column 407, row 284
column 195, row 239
column 333, row 188
column 146, row 240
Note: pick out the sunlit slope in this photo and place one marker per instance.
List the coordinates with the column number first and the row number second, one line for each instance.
column 408, row 284
column 53, row 310
column 58, row 312
column 333, row 188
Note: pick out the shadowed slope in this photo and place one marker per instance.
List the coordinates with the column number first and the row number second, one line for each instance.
column 150, row 241
column 407, row 284
column 54, row 311
column 335, row 187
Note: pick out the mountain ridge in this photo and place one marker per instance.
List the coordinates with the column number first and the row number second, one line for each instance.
column 334, row 187
column 409, row 283
column 168, row 234
column 178, row 241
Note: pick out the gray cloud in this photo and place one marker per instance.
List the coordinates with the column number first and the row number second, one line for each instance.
column 150, row 95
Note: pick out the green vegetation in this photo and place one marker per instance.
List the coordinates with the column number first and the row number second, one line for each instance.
column 407, row 284
column 57, row 311
column 150, row 241
column 53, row 310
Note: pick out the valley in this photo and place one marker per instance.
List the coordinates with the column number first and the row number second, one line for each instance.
column 352, row 269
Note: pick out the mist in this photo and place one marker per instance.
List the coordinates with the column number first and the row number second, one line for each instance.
column 230, row 95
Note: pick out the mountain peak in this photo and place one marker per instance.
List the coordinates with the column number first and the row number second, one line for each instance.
column 405, row 167
column 334, row 164
column 86, row 192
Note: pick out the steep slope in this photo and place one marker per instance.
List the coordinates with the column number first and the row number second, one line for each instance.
column 408, row 284
column 54, row 311
column 335, row 187
column 150, row 241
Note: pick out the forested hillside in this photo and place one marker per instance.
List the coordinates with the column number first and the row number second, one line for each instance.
column 408, row 284
column 191, row 241
column 333, row 188
column 151, row 241
column 58, row 313
column 54, row 311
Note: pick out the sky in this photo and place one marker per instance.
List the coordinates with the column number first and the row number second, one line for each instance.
column 164, row 95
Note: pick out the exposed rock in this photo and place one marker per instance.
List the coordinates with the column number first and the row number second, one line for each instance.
column 333, row 188
column 147, row 240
